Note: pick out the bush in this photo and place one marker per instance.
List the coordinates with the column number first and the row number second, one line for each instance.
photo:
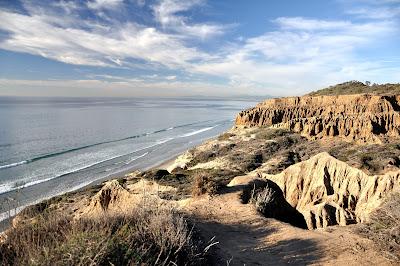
column 269, row 201
column 155, row 236
column 225, row 136
column 265, row 201
column 271, row 133
column 384, row 227
column 204, row 184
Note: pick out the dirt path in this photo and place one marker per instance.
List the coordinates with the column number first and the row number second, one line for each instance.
column 246, row 238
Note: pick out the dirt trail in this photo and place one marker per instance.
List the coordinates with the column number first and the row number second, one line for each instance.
column 246, row 238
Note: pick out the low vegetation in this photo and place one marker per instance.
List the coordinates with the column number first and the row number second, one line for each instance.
column 270, row 134
column 280, row 148
column 265, row 201
column 151, row 236
column 268, row 200
column 225, row 136
column 185, row 181
column 203, row 183
column 372, row 159
column 384, row 228
column 356, row 87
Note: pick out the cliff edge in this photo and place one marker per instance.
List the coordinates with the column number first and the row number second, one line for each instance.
column 363, row 118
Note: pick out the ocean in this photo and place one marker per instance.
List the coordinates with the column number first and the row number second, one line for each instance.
column 49, row 146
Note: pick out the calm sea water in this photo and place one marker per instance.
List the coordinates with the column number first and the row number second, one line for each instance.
column 49, row 146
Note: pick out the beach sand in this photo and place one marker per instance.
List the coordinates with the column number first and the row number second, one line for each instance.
column 164, row 165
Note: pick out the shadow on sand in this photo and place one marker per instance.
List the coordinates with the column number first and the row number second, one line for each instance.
column 245, row 245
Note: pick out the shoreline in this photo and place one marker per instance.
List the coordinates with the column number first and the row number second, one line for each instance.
column 162, row 164
column 7, row 222
column 165, row 164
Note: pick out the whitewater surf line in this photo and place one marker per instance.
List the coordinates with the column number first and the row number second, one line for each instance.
column 8, row 187
column 197, row 132
column 13, row 187
column 13, row 164
column 49, row 155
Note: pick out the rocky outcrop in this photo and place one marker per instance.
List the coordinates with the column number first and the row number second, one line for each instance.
column 114, row 198
column 361, row 117
column 330, row 192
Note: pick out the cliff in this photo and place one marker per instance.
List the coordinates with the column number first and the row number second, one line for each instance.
column 363, row 118
column 330, row 192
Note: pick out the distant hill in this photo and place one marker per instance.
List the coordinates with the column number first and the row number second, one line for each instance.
column 356, row 87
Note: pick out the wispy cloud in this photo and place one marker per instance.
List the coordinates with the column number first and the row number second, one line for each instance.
column 104, row 4
column 300, row 53
column 85, row 42
column 376, row 12
column 300, row 23
column 166, row 13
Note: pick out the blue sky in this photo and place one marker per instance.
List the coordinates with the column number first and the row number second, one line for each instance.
column 195, row 47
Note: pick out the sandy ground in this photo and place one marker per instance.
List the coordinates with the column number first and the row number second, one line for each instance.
column 164, row 165
column 246, row 238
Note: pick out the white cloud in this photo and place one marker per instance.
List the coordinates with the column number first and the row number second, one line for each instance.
column 166, row 13
column 299, row 23
column 68, row 6
column 44, row 35
column 376, row 12
column 303, row 54
column 348, row 27
column 170, row 77
column 104, row 4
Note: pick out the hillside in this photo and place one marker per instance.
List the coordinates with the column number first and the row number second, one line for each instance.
column 357, row 87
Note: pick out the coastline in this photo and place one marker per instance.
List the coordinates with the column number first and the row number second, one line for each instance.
column 165, row 164
column 6, row 223
column 162, row 163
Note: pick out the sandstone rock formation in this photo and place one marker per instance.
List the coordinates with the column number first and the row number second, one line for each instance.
column 113, row 198
column 329, row 192
column 360, row 117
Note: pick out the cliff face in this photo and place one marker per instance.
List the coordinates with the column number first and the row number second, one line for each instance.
column 361, row 117
column 329, row 192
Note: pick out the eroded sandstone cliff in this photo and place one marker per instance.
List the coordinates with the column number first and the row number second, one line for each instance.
column 364, row 118
column 329, row 192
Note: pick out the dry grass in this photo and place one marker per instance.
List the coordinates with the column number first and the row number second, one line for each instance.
column 265, row 200
column 384, row 228
column 271, row 133
column 268, row 200
column 151, row 236
column 203, row 183
column 225, row 136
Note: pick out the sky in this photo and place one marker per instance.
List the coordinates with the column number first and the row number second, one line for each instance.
column 126, row 48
